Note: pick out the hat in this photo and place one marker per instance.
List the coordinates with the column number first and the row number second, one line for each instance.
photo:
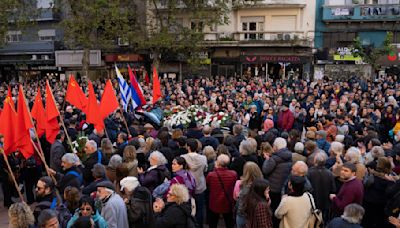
column 310, row 135
column 321, row 133
column 299, row 147
column 148, row 126
column 314, row 129
column 129, row 183
column 106, row 184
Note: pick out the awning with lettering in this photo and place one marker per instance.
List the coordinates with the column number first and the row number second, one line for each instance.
column 257, row 59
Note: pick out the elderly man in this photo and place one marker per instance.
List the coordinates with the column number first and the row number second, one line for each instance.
column 99, row 174
column 299, row 169
column 113, row 206
column 276, row 169
column 71, row 175
column 220, row 183
column 93, row 157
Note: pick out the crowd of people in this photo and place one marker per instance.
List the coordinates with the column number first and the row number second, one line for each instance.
column 292, row 152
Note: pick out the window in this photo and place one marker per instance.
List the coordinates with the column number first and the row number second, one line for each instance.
column 255, row 27
column 47, row 34
column 13, row 36
column 197, row 26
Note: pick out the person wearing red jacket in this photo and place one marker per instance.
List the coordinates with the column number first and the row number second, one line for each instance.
column 285, row 118
column 220, row 183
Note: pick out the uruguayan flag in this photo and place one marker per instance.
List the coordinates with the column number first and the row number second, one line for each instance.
column 124, row 89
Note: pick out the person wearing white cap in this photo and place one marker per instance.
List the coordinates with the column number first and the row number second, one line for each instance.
column 138, row 202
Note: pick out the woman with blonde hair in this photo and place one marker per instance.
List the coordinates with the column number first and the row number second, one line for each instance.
column 251, row 171
column 175, row 212
column 20, row 215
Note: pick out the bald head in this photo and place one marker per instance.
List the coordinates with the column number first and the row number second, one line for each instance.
column 223, row 161
column 299, row 168
column 207, row 130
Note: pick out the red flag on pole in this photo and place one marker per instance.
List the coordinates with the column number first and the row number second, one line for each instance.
column 75, row 95
column 8, row 119
column 146, row 78
column 52, row 126
column 109, row 102
column 93, row 115
column 24, row 123
column 39, row 114
column 156, row 86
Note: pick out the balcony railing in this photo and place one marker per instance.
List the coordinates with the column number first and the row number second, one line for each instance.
column 266, row 37
column 383, row 12
column 269, row 3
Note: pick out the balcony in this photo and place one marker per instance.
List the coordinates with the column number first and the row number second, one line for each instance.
column 378, row 12
column 243, row 4
column 259, row 38
column 34, row 47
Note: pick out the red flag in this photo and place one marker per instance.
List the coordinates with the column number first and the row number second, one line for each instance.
column 8, row 119
column 156, row 86
column 146, row 78
column 24, row 123
column 109, row 102
column 52, row 126
column 75, row 95
column 39, row 114
column 93, row 115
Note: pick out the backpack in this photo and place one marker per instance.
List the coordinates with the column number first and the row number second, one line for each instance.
column 392, row 207
column 63, row 213
column 74, row 173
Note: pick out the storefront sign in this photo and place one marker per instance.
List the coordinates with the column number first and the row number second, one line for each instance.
column 123, row 58
column 346, row 54
column 274, row 58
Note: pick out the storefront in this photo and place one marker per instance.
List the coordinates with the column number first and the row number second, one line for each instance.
column 135, row 61
column 275, row 66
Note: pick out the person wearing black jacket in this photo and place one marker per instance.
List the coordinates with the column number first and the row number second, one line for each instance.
column 45, row 196
column 94, row 156
column 71, row 175
column 176, row 211
column 247, row 153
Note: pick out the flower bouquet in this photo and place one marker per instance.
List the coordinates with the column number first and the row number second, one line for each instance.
column 79, row 147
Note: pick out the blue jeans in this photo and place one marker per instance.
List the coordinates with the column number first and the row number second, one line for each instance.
column 200, row 200
column 240, row 221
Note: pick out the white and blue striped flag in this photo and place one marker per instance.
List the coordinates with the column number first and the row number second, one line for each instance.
column 124, row 89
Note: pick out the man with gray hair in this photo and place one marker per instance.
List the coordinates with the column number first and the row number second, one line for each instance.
column 99, row 175
column 247, row 152
column 71, row 175
column 220, row 183
column 94, row 156
column 323, row 183
column 352, row 217
column 276, row 169
column 113, row 206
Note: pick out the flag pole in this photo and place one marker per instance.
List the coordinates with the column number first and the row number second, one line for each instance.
column 61, row 119
column 40, row 150
column 123, row 118
column 12, row 175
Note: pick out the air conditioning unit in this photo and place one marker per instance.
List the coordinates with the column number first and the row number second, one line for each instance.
column 286, row 36
column 122, row 42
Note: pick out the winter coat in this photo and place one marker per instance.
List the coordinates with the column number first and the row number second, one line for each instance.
column 98, row 220
column 68, row 179
column 340, row 222
column 351, row 191
column 173, row 215
column 218, row 201
column 294, row 211
column 89, row 163
column 209, row 141
column 323, row 184
column 324, row 145
column 140, row 209
column 197, row 166
column 285, row 120
column 114, row 212
column 239, row 162
column 57, row 150
column 277, row 169
column 154, row 176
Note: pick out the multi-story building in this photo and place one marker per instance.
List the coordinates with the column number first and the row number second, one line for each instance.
column 339, row 22
column 271, row 38
column 30, row 52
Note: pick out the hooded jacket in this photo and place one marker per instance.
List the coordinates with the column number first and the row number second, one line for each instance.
column 140, row 209
column 198, row 166
column 277, row 169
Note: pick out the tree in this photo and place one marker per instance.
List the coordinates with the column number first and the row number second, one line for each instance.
column 177, row 26
column 15, row 14
column 371, row 54
column 96, row 24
